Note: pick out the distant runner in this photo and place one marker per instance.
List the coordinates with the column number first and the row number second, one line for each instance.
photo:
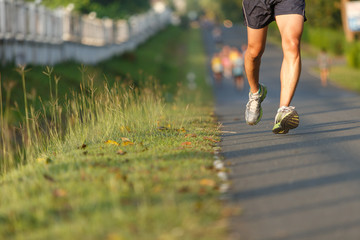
column 237, row 62
column 289, row 16
column 324, row 65
column 216, row 67
column 226, row 61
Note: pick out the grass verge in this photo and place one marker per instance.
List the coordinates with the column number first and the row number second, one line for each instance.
column 135, row 161
column 345, row 77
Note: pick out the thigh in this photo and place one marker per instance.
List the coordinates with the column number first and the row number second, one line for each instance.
column 256, row 41
column 284, row 7
column 290, row 26
column 258, row 13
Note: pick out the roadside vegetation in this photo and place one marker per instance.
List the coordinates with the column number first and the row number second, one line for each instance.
column 345, row 72
column 115, row 9
column 127, row 155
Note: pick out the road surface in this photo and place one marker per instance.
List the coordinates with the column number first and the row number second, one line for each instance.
column 303, row 185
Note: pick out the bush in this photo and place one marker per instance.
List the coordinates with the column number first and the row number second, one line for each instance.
column 332, row 40
column 353, row 54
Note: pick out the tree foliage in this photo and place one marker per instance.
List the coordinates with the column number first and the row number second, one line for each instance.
column 103, row 8
column 320, row 13
column 232, row 9
column 324, row 13
column 218, row 9
column 116, row 8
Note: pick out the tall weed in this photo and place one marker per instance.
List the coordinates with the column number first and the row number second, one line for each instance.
column 90, row 116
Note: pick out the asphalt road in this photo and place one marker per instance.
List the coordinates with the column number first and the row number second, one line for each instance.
column 303, row 185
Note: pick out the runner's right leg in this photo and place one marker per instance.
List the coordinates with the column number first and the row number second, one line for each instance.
column 256, row 47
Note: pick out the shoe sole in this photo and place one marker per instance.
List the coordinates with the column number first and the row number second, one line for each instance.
column 261, row 111
column 289, row 121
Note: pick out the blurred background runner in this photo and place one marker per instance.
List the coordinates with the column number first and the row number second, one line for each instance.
column 324, row 62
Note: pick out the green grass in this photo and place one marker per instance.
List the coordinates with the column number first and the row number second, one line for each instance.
column 162, row 58
column 345, row 77
column 333, row 40
column 135, row 160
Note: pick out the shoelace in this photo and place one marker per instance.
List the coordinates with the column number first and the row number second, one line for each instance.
column 253, row 103
column 283, row 110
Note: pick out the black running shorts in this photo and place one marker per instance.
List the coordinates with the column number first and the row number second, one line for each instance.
column 260, row 13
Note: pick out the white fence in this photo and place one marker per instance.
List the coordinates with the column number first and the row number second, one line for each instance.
column 31, row 33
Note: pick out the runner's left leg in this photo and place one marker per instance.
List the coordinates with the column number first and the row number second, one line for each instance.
column 291, row 28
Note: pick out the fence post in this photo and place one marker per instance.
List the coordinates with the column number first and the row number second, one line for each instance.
column 32, row 21
column 2, row 19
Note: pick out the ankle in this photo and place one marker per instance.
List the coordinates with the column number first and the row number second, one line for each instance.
column 255, row 90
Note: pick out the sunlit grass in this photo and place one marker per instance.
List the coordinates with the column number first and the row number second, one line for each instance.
column 150, row 189
column 342, row 76
column 116, row 161
column 346, row 77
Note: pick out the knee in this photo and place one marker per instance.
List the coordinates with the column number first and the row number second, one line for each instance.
column 291, row 46
column 254, row 52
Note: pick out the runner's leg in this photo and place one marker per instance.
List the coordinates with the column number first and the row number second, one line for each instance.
column 290, row 27
column 256, row 47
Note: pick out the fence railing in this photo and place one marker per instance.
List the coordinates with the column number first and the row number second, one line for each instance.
column 31, row 33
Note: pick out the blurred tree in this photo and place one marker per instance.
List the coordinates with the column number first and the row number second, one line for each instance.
column 217, row 9
column 212, row 8
column 232, row 10
column 62, row 3
column 116, row 8
column 324, row 13
column 103, row 8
